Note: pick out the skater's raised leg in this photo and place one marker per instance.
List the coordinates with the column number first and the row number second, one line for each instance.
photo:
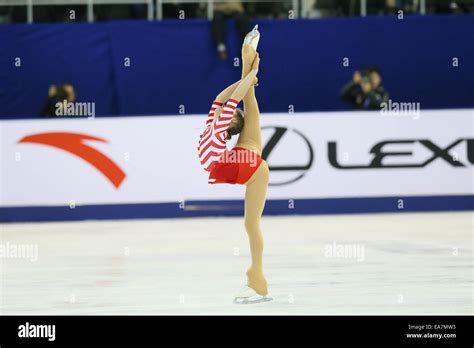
column 250, row 137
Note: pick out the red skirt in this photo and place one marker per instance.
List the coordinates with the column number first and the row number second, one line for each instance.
column 234, row 167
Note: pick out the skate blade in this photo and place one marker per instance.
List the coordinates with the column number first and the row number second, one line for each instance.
column 252, row 38
column 250, row 300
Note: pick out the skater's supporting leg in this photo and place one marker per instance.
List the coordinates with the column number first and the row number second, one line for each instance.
column 255, row 196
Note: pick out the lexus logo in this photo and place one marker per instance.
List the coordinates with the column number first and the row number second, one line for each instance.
column 287, row 166
column 379, row 152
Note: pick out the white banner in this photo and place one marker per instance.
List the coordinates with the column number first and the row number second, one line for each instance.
column 311, row 155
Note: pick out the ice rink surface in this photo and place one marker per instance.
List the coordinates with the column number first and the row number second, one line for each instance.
column 340, row 264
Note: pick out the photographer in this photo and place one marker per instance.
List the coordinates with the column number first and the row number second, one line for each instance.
column 365, row 91
column 57, row 94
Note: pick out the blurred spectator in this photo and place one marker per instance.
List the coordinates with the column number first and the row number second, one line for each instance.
column 324, row 8
column 271, row 9
column 378, row 7
column 18, row 14
column 231, row 9
column 223, row 12
column 447, row 6
column 407, row 6
column 365, row 90
column 58, row 94
column 182, row 10
column 122, row 11
column 49, row 13
column 330, row 8
column 5, row 14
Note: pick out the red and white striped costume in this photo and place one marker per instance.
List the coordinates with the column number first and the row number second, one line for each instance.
column 212, row 142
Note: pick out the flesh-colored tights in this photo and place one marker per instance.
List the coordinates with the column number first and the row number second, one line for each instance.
column 255, row 193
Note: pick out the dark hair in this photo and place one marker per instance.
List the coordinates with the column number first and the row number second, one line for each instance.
column 61, row 93
column 372, row 68
column 236, row 128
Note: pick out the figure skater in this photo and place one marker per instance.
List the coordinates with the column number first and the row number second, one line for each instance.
column 243, row 164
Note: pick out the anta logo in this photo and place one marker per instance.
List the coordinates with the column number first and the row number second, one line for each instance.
column 75, row 144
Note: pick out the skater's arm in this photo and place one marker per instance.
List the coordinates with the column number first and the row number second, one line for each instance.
column 219, row 102
column 231, row 91
column 244, row 85
column 224, row 119
column 226, row 93
column 234, row 92
column 210, row 116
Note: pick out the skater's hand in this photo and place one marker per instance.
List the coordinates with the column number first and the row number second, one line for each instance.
column 255, row 81
column 248, row 54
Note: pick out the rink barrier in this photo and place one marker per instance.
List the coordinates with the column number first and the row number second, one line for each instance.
column 236, row 208
column 153, row 81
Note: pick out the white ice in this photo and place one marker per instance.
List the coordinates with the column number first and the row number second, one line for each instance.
column 410, row 264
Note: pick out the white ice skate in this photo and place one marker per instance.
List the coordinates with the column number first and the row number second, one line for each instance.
column 252, row 38
column 248, row 295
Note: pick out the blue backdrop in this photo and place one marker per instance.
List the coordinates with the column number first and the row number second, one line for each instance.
column 173, row 63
